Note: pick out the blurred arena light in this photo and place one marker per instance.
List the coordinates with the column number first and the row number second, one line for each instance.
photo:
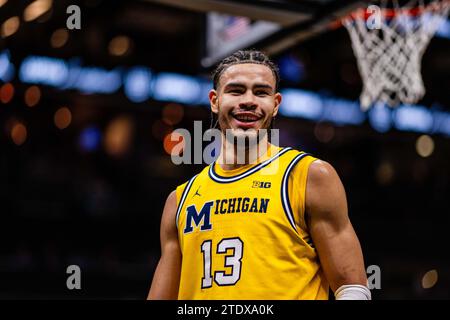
column 62, row 118
column 413, row 118
column 119, row 46
column 59, row 38
column 342, row 112
column 10, row 26
column 206, row 86
column 177, row 88
column 313, row 106
column 137, row 84
column 97, row 80
column 44, row 70
column 380, row 117
column 424, row 146
column 299, row 103
column 140, row 83
column 6, row 92
column 89, row 139
column 291, row 68
column 171, row 140
column 118, row 136
column 32, row 96
column 441, row 123
column 429, row 279
column 385, row 173
column 58, row 73
column 19, row 133
column 6, row 67
column 36, row 9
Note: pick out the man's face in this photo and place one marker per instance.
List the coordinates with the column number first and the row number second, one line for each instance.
column 245, row 98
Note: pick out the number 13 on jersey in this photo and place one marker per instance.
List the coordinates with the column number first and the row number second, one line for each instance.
column 233, row 261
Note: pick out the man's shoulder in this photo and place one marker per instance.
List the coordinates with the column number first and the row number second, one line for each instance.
column 325, row 193
column 324, row 185
column 321, row 171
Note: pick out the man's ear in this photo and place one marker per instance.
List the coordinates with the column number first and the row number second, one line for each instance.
column 278, row 99
column 213, row 100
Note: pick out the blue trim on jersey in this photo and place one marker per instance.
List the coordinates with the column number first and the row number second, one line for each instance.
column 183, row 197
column 220, row 179
column 284, row 190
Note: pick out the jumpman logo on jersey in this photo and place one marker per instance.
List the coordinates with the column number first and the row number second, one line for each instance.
column 196, row 193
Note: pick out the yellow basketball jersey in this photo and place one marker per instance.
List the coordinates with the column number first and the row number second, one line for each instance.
column 243, row 235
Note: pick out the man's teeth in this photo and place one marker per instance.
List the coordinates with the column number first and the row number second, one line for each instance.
column 246, row 118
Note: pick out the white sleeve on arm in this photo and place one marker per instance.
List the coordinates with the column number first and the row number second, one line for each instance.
column 353, row 292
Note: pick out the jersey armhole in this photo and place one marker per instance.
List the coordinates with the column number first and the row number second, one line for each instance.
column 179, row 194
column 182, row 192
column 297, row 190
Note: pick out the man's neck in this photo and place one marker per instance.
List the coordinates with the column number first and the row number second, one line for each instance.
column 233, row 156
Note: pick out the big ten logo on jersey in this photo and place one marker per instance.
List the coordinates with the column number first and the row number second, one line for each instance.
column 261, row 184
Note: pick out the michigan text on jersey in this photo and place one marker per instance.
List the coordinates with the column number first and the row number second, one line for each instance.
column 223, row 206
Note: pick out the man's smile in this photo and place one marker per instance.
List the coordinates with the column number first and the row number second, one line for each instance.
column 245, row 119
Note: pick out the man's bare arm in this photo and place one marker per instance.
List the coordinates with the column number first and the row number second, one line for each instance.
column 337, row 245
column 167, row 275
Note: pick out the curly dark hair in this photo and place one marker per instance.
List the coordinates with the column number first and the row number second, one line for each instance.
column 245, row 56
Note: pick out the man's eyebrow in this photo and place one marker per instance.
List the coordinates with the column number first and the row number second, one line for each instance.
column 234, row 84
column 241, row 85
column 263, row 86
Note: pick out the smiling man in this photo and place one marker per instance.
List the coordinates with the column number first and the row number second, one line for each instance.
column 273, row 227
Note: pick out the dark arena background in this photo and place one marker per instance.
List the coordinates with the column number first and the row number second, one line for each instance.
column 87, row 110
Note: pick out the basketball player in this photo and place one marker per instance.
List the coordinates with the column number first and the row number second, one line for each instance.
column 244, row 231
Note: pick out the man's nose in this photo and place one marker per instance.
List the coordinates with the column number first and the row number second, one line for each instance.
column 248, row 101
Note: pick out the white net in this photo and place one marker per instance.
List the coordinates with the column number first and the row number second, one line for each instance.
column 389, row 44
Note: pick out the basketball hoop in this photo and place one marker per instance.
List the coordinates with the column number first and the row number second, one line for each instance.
column 389, row 43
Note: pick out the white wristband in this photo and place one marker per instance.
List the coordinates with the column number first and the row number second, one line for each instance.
column 353, row 292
